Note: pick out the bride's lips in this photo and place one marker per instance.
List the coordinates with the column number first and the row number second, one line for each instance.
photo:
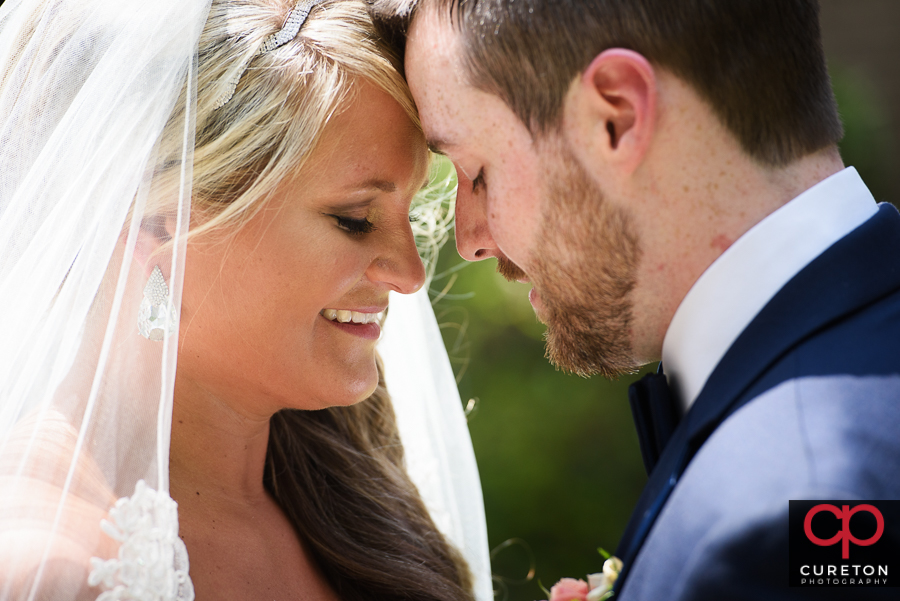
column 362, row 321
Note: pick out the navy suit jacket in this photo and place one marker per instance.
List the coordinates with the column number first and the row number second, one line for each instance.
column 804, row 405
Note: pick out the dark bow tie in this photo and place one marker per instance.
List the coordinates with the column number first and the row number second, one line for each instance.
column 655, row 415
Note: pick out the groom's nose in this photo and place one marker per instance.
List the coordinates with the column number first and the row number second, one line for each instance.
column 473, row 237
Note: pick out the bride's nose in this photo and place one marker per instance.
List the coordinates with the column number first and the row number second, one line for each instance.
column 397, row 263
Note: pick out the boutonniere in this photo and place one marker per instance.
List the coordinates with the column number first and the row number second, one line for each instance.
column 597, row 588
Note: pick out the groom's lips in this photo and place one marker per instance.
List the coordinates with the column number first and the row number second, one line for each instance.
column 534, row 298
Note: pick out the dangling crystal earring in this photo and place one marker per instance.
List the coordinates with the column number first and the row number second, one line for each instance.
column 154, row 321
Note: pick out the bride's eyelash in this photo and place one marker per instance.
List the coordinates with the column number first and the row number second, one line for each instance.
column 414, row 218
column 354, row 226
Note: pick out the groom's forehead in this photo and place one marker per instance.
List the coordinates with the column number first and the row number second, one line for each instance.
column 433, row 34
column 436, row 74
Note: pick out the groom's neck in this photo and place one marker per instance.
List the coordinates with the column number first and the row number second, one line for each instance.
column 696, row 193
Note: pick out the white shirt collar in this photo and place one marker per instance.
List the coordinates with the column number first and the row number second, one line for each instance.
column 730, row 293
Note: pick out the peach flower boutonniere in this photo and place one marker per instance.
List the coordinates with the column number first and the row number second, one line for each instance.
column 597, row 588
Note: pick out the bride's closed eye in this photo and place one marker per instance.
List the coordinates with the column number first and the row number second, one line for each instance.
column 364, row 226
column 354, row 226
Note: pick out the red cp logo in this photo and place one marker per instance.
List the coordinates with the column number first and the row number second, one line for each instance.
column 844, row 514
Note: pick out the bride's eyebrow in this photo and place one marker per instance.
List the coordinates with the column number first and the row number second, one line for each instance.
column 382, row 185
column 379, row 184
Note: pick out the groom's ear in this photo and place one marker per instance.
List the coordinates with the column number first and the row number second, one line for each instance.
column 610, row 111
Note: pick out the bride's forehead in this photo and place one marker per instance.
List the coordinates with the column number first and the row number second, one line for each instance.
column 372, row 141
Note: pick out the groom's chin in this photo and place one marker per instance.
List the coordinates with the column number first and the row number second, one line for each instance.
column 588, row 354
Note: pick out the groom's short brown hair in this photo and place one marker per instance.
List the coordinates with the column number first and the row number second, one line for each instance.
column 759, row 63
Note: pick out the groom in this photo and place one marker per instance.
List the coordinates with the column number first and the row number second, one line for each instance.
column 666, row 175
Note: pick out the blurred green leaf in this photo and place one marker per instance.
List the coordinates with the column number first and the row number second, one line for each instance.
column 867, row 143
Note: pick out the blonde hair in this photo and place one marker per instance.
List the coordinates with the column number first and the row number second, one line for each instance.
column 337, row 473
column 282, row 103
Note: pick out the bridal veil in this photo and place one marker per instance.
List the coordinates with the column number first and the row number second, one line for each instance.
column 92, row 196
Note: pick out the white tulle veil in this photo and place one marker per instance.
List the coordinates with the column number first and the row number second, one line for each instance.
column 87, row 88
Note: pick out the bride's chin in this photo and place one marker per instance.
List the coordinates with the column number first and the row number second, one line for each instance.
column 364, row 390
column 347, row 392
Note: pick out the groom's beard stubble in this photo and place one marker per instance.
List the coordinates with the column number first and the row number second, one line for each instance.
column 509, row 270
column 584, row 270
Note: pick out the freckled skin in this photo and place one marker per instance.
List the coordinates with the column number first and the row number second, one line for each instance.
column 253, row 295
column 721, row 243
column 253, row 342
column 690, row 188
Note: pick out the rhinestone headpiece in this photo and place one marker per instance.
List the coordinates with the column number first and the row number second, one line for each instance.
column 290, row 29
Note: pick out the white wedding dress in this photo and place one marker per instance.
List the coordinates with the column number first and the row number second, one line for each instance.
column 86, row 89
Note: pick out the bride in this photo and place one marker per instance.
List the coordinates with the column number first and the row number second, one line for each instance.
column 204, row 213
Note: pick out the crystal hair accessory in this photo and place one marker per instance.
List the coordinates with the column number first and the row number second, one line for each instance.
column 156, row 320
column 290, row 29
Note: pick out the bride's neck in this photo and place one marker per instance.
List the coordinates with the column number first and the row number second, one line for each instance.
column 218, row 451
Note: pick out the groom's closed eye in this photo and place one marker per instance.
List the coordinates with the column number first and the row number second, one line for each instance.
column 436, row 146
column 478, row 183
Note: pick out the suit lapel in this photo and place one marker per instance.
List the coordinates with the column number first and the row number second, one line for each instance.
column 845, row 278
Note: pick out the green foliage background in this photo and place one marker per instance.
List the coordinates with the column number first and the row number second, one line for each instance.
column 558, row 455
